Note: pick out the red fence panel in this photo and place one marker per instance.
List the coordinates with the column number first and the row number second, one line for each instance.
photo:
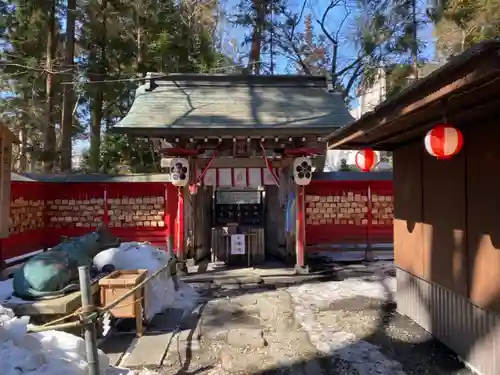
column 73, row 209
column 27, row 215
column 137, row 211
column 382, row 211
column 336, row 212
column 349, row 212
column 42, row 213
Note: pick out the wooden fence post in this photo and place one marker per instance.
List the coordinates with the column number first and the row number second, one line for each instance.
column 106, row 212
column 89, row 327
column 368, row 249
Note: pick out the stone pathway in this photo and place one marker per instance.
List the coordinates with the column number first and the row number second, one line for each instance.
column 331, row 327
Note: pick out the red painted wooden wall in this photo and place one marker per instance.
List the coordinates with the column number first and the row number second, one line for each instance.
column 33, row 200
column 36, row 204
column 349, row 212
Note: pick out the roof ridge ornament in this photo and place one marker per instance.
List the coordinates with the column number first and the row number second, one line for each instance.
column 151, row 78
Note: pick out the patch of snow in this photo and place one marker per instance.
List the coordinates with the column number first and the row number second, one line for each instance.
column 185, row 298
column 42, row 353
column 6, row 290
column 160, row 292
column 362, row 356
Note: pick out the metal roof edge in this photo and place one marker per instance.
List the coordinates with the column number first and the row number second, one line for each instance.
column 89, row 178
column 299, row 80
column 352, row 176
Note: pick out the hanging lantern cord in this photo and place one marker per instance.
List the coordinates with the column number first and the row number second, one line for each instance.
column 445, row 112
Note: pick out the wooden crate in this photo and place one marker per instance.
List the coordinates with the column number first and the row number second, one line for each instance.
column 117, row 284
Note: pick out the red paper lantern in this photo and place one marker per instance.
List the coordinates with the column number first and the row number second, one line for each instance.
column 366, row 160
column 444, row 141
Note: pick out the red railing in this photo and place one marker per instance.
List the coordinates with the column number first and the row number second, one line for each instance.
column 42, row 213
column 349, row 212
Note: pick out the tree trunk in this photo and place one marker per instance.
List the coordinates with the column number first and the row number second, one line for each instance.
column 95, row 132
column 414, row 49
column 49, row 135
column 23, row 153
column 254, row 63
column 98, row 102
column 141, row 42
column 68, row 95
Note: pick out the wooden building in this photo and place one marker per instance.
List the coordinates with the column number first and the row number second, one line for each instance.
column 446, row 226
column 240, row 135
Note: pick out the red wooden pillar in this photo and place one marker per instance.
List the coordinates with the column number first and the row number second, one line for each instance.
column 369, row 217
column 180, row 223
column 167, row 223
column 300, row 242
column 47, row 229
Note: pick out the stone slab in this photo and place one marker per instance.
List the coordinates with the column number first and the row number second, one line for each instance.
column 183, row 348
column 221, row 315
column 54, row 306
column 166, row 321
column 243, row 337
column 226, row 281
column 115, row 345
column 149, row 351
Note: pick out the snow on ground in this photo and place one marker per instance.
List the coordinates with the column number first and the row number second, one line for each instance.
column 328, row 337
column 42, row 353
column 6, row 290
column 160, row 291
column 60, row 353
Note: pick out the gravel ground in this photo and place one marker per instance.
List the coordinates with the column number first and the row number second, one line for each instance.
column 346, row 327
column 353, row 322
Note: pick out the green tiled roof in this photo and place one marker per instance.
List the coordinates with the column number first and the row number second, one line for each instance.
column 183, row 103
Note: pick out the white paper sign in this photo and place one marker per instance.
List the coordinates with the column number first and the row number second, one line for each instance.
column 237, row 244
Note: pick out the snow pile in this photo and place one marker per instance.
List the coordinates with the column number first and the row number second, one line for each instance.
column 6, row 290
column 43, row 353
column 159, row 292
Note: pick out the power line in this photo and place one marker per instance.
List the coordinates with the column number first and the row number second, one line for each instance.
column 136, row 79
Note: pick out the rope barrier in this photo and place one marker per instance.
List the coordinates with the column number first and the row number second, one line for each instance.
column 170, row 263
column 55, row 324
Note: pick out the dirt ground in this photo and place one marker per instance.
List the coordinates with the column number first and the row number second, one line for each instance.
column 344, row 326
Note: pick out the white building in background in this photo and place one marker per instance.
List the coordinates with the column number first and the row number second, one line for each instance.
column 368, row 99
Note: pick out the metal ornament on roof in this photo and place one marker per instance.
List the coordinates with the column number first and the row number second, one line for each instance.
column 443, row 141
column 179, row 172
column 366, row 159
column 302, row 170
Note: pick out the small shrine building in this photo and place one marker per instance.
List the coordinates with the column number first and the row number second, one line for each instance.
column 238, row 147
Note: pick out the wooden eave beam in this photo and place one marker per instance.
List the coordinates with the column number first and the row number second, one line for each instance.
column 468, row 114
column 391, row 116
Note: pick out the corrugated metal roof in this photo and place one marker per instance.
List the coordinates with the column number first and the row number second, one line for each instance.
column 191, row 102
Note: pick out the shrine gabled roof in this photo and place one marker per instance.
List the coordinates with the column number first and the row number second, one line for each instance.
column 218, row 105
